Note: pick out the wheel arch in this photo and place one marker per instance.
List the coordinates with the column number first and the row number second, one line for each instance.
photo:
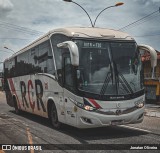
column 14, row 99
column 50, row 101
column 53, row 113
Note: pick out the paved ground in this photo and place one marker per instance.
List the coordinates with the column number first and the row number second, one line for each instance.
column 152, row 110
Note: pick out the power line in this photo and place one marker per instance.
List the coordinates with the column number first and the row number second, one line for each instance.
column 143, row 21
column 6, row 51
column 22, row 31
column 17, row 38
column 125, row 27
column 20, row 28
column 155, row 35
column 138, row 20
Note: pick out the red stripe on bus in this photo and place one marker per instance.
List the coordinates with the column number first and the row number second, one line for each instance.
column 13, row 90
column 95, row 103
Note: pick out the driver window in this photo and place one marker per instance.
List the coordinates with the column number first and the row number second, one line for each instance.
column 68, row 79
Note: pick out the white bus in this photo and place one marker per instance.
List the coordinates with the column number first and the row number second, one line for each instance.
column 84, row 77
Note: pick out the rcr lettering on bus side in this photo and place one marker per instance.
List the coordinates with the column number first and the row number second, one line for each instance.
column 39, row 94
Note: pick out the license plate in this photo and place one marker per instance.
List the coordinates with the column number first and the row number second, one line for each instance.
column 116, row 122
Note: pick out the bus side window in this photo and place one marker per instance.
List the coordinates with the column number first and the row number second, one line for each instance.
column 50, row 61
column 22, row 64
column 33, row 60
column 42, row 57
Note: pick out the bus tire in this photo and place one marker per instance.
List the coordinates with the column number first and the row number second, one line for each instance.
column 17, row 111
column 54, row 117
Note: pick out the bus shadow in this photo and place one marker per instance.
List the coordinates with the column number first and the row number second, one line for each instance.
column 84, row 135
column 35, row 118
column 110, row 132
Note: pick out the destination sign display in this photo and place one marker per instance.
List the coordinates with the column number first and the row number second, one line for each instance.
column 91, row 44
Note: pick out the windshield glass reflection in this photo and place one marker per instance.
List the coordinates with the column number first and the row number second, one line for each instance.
column 108, row 68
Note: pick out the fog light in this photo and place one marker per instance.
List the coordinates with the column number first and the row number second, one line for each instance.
column 87, row 120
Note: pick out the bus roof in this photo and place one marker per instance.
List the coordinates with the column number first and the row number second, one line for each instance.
column 81, row 32
column 90, row 32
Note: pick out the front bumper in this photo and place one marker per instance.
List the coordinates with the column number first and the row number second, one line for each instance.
column 87, row 119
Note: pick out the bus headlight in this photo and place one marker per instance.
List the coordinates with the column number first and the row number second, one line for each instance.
column 89, row 108
column 139, row 104
column 86, row 107
column 81, row 105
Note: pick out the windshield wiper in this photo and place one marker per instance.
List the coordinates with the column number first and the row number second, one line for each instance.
column 105, row 84
column 125, row 82
column 120, row 78
column 107, row 79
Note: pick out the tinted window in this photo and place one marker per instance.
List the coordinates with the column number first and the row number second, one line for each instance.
column 43, row 56
column 50, row 62
column 56, row 39
column 33, row 60
column 68, row 79
column 6, row 69
column 38, row 59
column 22, row 65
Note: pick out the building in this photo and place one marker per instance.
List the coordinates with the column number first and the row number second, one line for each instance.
column 152, row 83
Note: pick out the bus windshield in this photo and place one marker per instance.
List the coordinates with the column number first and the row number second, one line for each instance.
column 109, row 68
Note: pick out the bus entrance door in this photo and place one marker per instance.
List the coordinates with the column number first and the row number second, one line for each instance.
column 68, row 90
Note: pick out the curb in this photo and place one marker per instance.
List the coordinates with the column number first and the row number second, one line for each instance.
column 152, row 113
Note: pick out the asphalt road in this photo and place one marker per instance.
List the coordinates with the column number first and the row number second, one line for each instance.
column 30, row 129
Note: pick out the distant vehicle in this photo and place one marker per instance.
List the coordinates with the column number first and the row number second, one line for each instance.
column 84, row 77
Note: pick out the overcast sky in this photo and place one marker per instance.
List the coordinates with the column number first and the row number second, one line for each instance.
column 40, row 16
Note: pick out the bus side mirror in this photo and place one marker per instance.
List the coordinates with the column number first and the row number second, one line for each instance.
column 153, row 55
column 152, row 52
column 73, row 49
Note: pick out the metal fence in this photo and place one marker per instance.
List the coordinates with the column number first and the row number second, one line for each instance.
column 149, row 76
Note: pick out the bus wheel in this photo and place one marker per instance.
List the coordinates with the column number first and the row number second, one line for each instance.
column 17, row 111
column 54, row 117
